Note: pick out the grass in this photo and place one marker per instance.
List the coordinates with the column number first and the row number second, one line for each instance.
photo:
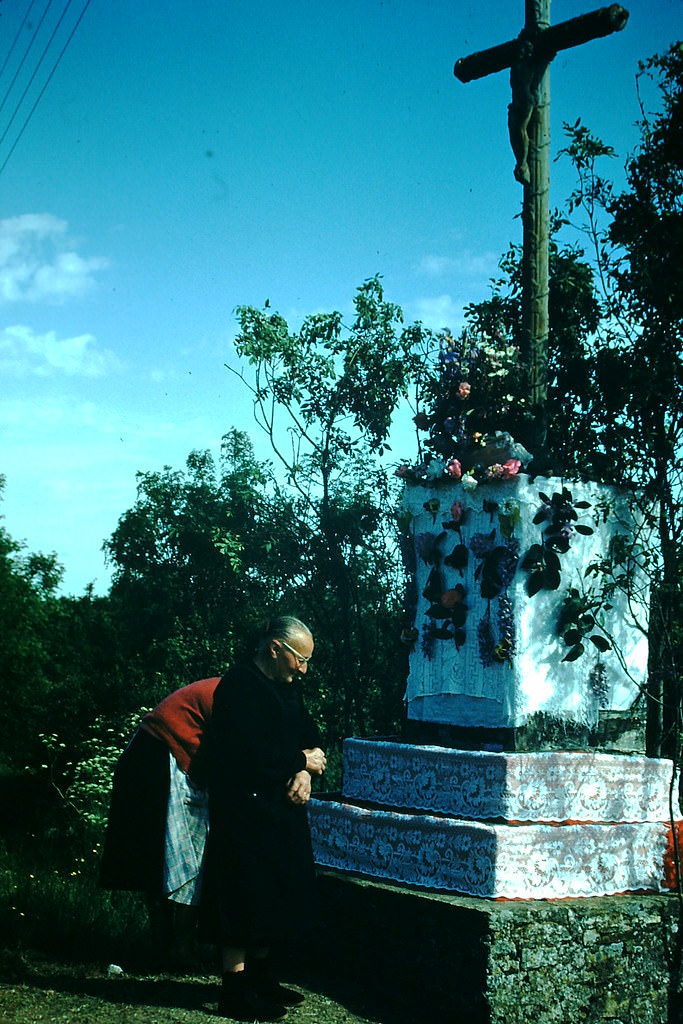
column 50, row 899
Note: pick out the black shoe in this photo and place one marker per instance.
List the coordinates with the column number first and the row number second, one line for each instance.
column 241, row 1002
column 265, row 984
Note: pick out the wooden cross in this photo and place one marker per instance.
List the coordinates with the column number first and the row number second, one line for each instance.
column 528, row 57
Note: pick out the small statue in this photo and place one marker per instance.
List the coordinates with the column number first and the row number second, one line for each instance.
column 526, row 73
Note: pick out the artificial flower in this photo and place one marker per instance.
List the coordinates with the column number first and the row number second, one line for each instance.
column 454, row 469
column 435, row 470
column 469, row 482
column 511, row 468
column 426, row 546
column 464, row 390
column 457, row 511
column 450, row 598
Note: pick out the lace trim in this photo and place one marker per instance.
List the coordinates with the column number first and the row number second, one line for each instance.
column 504, row 861
column 535, row 787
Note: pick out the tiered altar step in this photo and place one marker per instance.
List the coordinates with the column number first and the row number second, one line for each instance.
column 510, row 825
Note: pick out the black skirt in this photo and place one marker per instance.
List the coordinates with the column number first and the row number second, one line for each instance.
column 133, row 855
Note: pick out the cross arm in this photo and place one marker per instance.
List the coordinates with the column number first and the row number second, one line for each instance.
column 487, row 62
column 546, row 44
column 581, row 30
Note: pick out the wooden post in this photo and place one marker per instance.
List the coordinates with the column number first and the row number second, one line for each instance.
column 528, row 57
column 536, row 231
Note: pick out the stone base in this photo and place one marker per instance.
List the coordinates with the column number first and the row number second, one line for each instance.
column 419, row 957
column 621, row 732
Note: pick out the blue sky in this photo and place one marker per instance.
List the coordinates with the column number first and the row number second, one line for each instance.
column 184, row 159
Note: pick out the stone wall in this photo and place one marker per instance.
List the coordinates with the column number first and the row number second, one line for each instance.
column 427, row 956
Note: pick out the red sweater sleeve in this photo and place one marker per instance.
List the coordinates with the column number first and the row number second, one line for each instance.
column 179, row 720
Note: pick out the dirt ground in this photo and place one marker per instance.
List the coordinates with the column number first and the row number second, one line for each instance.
column 38, row 990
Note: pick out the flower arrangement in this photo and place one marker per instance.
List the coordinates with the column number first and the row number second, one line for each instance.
column 474, row 398
column 469, row 412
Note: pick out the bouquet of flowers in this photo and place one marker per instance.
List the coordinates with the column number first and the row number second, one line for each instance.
column 471, row 404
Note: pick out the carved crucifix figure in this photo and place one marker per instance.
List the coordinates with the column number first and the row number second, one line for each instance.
column 528, row 58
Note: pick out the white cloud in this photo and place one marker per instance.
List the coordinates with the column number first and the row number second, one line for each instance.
column 437, row 266
column 465, row 267
column 466, row 274
column 439, row 311
column 38, row 261
column 24, row 353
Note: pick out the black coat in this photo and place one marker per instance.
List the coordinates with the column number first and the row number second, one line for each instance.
column 260, row 878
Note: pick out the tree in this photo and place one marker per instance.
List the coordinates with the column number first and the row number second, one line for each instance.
column 25, row 684
column 57, row 659
column 201, row 553
column 336, row 389
column 637, row 378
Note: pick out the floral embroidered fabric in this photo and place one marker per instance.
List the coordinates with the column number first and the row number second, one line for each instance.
column 484, row 652
column 476, row 859
column 541, row 825
column 525, row 787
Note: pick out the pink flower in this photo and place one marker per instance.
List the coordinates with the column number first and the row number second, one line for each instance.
column 450, row 598
column 454, row 469
column 464, row 390
column 457, row 511
column 403, row 471
column 511, row 468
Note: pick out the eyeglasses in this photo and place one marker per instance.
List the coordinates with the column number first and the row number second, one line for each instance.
column 300, row 660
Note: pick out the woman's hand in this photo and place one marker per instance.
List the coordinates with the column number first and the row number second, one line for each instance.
column 299, row 788
column 316, row 762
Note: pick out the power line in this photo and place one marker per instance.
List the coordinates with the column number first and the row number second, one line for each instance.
column 26, row 53
column 35, row 72
column 47, row 81
column 16, row 39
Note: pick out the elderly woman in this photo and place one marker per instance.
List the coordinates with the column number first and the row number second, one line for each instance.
column 159, row 817
column 260, row 886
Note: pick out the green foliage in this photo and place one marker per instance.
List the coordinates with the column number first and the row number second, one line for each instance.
column 635, row 372
column 84, row 784
column 636, row 362
column 332, row 390
column 50, row 901
column 325, row 375
column 53, row 650
column 195, row 558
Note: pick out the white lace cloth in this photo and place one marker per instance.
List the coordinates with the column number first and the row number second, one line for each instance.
column 453, row 686
column 535, row 787
column 475, row 859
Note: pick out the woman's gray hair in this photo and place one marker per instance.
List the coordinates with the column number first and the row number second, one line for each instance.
column 282, row 627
